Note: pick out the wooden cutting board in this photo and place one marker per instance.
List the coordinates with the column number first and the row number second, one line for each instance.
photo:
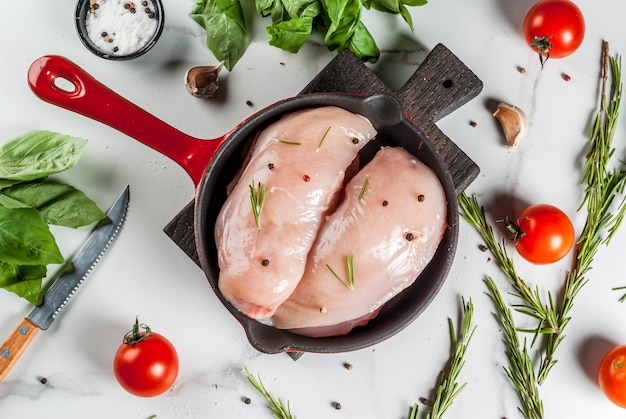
column 440, row 85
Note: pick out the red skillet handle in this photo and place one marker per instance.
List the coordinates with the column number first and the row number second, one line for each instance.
column 87, row 96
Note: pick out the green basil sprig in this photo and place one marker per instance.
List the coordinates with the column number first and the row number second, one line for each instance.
column 30, row 202
column 293, row 21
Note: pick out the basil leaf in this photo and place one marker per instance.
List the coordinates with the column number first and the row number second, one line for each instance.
column 264, row 7
column 225, row 26
column 301, row 8
column 9, row 202
column 415, row 2
column 338, row 20
column 395, row 7
column 28, row 203
column 313, row 9
column 59, row 204
column 23, row 280
column 278, row 12
column 389, row 6
column 406, row 15
column 286, row 10
column 290, row 35
column 5, row 183
column 344, row 17
column 39, row 154
column 25, row 238
column 362, row 44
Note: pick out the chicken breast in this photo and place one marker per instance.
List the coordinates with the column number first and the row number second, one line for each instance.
column 382, row 235
column 272, row 216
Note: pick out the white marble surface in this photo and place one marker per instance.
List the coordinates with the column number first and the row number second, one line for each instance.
column 145, row 274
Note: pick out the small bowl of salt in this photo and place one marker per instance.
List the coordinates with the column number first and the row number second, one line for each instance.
column 119, row 29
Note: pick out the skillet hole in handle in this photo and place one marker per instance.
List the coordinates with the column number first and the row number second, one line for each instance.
column 66, row 86
column 54, row 79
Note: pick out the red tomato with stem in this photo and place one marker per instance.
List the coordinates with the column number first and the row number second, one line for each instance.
column 554, row 28
column 612, row 375
column 542, row 233
column 146, row 363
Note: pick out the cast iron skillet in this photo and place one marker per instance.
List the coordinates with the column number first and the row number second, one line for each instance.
column 211, row 164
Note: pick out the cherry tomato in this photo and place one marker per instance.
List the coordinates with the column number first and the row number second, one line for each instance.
column 612, row 375
column 543, row 234
column 146, row 363
column 554, row 28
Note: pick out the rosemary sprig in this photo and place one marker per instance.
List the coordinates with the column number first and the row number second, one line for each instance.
column 606, row 205
column 520, row 370
column 323, row 138
column 604, row 199
column 258, row 195
column 448, row 387
column 289, row 142
column 623, row 297
column 276, row 406
column 531, row 302
column 349, row 282
column 363, row 188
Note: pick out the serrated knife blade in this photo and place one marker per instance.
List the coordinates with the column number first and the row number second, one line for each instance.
column 65, row 286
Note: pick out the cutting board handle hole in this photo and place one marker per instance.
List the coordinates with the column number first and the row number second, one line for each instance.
column 447, row 83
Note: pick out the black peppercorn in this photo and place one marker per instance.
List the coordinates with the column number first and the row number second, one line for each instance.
column 265, row 262
column 270, row 166
column 355, row 140
column 409, row 236
column 421, row 198
column 385, row 203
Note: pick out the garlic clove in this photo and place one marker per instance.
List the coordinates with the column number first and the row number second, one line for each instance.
column 202, row 81
column 514, row 123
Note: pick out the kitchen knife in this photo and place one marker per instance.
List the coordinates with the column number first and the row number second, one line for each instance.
column 64, row 287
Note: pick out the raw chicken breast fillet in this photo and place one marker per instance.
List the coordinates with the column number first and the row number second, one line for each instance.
column 301, row 160
column 386, row 230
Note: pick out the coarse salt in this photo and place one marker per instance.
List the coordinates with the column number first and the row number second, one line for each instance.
column 120, row 27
